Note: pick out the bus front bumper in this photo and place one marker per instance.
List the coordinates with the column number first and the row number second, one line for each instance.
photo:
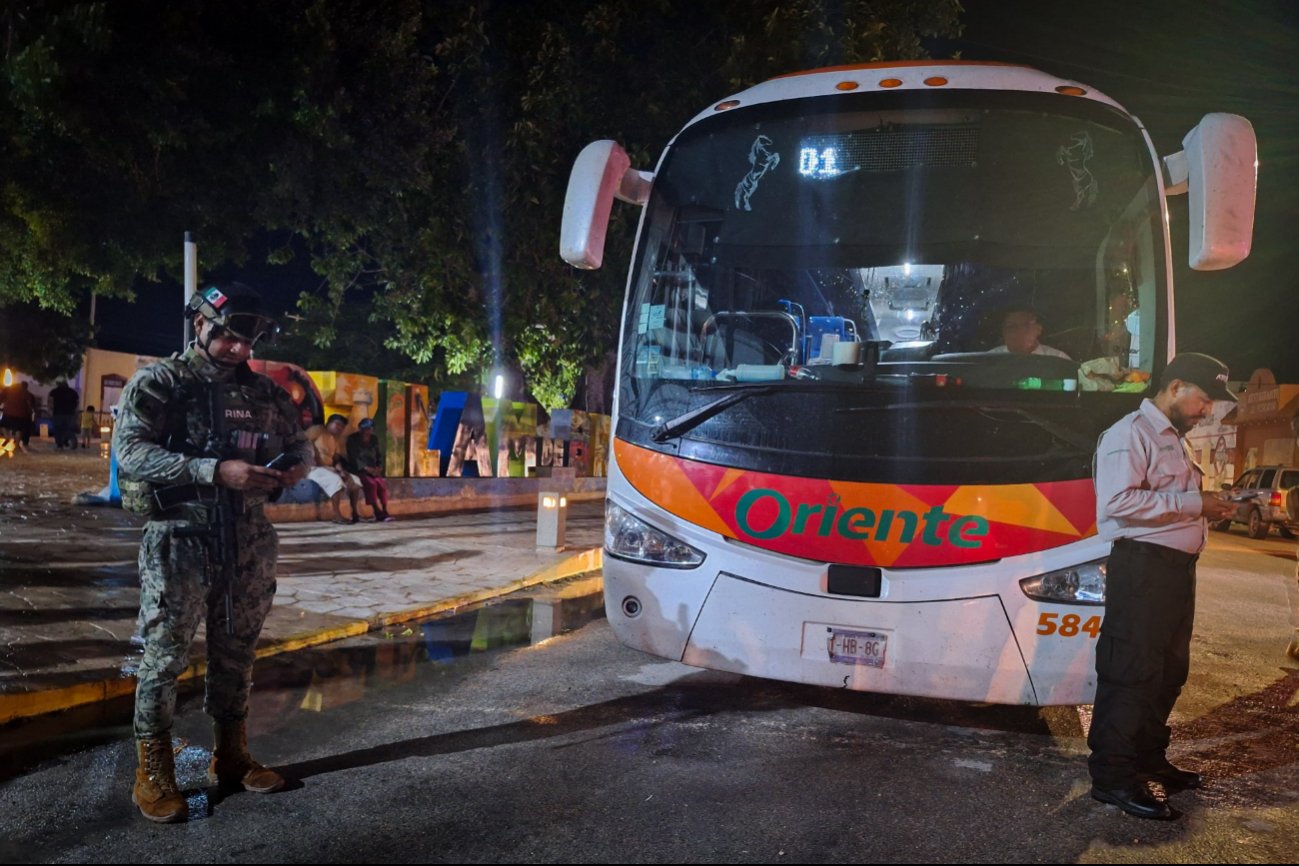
column 958, row 649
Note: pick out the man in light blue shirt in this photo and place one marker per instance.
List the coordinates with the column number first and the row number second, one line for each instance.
column 1149, row 502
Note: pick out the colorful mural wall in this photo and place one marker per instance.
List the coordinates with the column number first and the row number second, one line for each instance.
column 422, row 461
column 300, row 386
column 467, row 435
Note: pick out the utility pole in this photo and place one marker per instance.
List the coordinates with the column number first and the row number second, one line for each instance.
column 191, row 286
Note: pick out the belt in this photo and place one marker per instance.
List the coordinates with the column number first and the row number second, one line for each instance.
column 193, row 501
column 199, row 512
column 1168, row 554
column 170, row 498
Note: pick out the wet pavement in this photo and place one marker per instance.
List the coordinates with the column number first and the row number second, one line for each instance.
column 519, row 730
column 326, row 677
column 438, row 742
column 69, row 588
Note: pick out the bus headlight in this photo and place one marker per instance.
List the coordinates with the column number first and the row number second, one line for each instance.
column 626, row 537
column 1079, row 584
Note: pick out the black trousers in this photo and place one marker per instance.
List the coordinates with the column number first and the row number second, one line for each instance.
column 65, row 430
column 1142, row 659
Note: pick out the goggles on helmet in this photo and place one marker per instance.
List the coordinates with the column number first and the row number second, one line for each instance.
column 249, row 327
column 239, row 315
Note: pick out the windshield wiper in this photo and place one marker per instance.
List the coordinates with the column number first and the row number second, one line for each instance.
column 692, row 419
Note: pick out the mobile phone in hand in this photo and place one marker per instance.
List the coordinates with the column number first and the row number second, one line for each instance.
column 284, row 462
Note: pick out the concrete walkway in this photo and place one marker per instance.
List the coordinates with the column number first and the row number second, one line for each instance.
column 69, row 588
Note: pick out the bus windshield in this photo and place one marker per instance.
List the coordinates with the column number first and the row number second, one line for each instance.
column 1008, row 243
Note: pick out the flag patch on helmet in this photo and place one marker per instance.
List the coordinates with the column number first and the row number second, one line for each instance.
column 214, row 297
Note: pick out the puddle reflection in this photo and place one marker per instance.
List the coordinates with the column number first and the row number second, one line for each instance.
column 325, row 677
column 342, row 672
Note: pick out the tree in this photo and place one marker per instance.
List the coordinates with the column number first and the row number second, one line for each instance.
column 44, row 344
column 571, row 72
column 417, row 151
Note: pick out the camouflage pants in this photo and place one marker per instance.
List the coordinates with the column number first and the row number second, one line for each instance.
column 175, row 593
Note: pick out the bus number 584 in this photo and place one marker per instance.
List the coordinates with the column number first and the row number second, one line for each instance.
column 1069, row 625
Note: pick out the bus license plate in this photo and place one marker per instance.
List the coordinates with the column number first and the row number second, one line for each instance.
column 858, row 647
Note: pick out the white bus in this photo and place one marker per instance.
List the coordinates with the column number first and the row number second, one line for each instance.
column 876, row 318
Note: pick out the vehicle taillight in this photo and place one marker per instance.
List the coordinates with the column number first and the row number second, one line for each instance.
column 1277, row 500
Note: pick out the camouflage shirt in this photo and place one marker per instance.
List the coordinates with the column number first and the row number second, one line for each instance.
column 164, row 423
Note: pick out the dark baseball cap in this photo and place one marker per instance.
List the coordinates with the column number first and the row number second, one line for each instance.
column 1205, row 372
column 366, row 424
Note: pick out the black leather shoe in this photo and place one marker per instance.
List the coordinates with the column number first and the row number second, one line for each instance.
column 1135, row 800
column 1173, row 777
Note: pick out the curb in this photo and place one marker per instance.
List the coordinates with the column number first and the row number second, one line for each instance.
column 308, row 512
column 38, row 703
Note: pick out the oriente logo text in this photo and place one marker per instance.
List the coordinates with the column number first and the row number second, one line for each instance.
column 765, row 513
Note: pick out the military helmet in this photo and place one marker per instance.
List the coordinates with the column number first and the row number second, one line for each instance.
column 236, row 308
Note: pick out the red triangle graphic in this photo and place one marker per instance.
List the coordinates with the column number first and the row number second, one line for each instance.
column 930, row 494
column 1076, row 500
column 704, row 476
column 1003, row 540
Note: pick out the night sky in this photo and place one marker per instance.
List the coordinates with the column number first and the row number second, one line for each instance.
column 152, row 324
column 1169, row 63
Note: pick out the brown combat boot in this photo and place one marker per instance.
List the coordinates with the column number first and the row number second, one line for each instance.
column 155, row 790
column 232, row 766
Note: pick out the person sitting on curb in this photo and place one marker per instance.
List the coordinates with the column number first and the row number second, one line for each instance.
column 365, row 458
column 329, row 472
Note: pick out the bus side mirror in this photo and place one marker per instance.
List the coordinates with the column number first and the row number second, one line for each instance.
column 1218, row 168
column 601, row 173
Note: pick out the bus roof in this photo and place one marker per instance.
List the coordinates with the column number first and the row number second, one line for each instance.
column 906, row 75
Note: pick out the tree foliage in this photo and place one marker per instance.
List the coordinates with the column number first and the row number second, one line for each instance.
column 42, row 343
column 416, row 150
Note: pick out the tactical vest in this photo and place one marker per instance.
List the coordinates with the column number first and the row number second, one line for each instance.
column 247, row 426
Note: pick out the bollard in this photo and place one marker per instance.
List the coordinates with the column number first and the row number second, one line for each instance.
column 547, row 619
column 552, row 515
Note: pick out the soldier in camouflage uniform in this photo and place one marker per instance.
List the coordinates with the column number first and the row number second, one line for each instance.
column 193, row 437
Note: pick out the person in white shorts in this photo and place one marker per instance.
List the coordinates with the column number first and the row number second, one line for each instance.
column 330, row 472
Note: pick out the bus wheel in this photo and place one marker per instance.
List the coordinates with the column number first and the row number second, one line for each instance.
column 1257, row 526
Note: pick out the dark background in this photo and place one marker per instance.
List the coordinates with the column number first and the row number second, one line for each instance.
column 1168, row 63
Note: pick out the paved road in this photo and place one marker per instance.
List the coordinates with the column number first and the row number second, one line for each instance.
column 575, row 749
column 69, row 586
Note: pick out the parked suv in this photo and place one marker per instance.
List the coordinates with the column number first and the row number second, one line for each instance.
column 1260, row 497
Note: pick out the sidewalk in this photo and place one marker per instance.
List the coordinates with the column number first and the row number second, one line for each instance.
column 69, row 589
